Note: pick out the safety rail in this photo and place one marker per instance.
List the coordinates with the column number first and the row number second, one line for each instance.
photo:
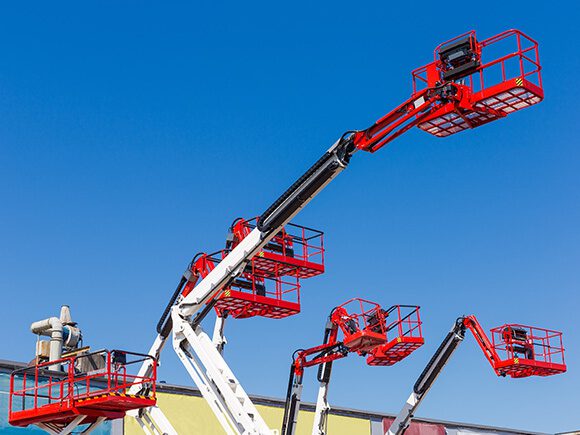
column 295, row 250
column 360, row 314
column 406, row 323
column 528, row 342
column 362, row 323
column 41, row 393
column 403, row 336
column 255, row 293
column 493, row 78
column 525, row 54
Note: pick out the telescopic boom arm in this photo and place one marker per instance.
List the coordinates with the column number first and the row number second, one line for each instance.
column 446, row 104
column 529, row 351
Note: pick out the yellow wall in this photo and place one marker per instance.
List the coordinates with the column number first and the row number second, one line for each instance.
column 192, row 415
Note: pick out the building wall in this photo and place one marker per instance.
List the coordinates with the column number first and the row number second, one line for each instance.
column 180, row 410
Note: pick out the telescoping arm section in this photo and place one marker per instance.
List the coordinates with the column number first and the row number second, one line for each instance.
column 322, row 356
column 332, row 162
column 428, row 376
column 436, row 364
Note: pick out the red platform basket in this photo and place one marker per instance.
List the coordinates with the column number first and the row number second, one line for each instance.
column 528, row 351
column 404, row 336
column 92, row 385
column 499, row 76
column 363, row 324
column 295, row 250
column 253, row 293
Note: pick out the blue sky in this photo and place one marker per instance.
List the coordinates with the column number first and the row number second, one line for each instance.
column 131, row 135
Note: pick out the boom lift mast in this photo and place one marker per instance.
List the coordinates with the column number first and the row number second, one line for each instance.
column 385, row 337
column 448, row 96
column 529, row 351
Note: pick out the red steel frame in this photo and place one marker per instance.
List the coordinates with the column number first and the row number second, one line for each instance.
column 299, row 250
column 270, row 284
column 508, row 356
column 39, row 394
column 403, row 336
column 545, row 356
column 362, row 323
column 366, row 332
column 484, row 101
column 444, row 107
column 253, row 293
column 243, row 302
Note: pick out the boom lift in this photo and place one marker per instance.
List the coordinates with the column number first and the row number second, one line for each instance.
column 385, row 337
column 514, row 350
column 449, row 95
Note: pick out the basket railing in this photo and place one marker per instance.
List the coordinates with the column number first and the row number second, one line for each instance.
column 524, row 51
column 406, row 321
column 539, row 344
column 112, row 372
column 307, row 244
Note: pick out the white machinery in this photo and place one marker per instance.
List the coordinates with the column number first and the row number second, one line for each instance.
column 443, row 103
column 203, row 361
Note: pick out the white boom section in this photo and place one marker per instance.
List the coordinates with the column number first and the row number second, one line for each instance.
column 209, row 371
column 320, row 425
column 426, row 379
column 153, row 421
column 401, row 423
column 219, row 340
column 230, row 267
column 217, row 383
column 69, row 428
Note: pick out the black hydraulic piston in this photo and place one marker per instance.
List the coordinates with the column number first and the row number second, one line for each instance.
column 313, row 180
column 440, row 358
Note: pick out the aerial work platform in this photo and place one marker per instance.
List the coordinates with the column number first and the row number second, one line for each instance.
column 528, row 351
column 88, row 389
column 269, row 285
column 295, row 250
column 403, row 334
column 495, row 77
column 518, row 350
column 387, row 336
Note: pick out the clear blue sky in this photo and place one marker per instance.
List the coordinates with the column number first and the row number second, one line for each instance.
column 132, row 134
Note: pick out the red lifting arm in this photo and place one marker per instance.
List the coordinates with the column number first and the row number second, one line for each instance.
column 404, row 117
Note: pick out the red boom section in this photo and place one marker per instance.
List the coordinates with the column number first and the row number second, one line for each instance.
column 270, row 284
column 469, row 83
column 93, row 385
column 520, row 351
